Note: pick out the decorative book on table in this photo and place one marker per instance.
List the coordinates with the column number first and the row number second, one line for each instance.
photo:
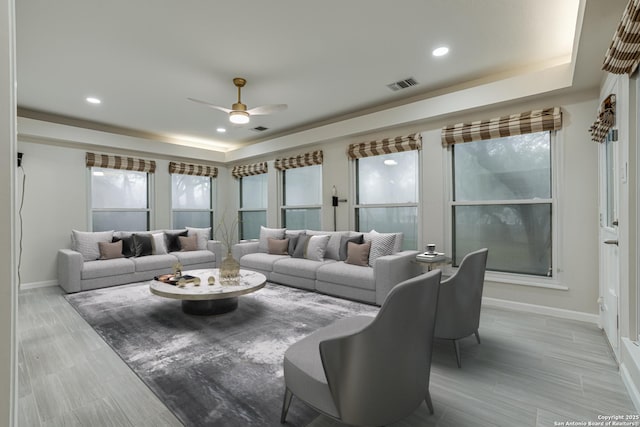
column 172, row 279
column 431, row 256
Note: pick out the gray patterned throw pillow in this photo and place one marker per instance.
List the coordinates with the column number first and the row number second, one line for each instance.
column 381, row 245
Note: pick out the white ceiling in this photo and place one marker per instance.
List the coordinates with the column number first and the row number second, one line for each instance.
column 326, row 60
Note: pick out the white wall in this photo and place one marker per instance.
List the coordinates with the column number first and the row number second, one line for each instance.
column 63, row 198
column 56, row 201
column 578, row 221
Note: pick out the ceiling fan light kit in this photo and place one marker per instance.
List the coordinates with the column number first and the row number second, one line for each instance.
column 239, row 117
column 238, row 114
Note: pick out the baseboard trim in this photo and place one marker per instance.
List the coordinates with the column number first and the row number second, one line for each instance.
column 540, row 309
column 37, row 285
column 634, row 394
column 630, row 355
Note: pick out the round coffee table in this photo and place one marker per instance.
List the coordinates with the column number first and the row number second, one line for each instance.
column 210, row 299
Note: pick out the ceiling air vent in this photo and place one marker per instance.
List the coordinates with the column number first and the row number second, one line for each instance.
column 259, row 129
column 402, row 84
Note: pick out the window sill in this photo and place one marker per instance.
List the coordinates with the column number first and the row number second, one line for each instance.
column 524, row 280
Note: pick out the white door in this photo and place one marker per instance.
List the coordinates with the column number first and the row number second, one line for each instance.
column 608, row 247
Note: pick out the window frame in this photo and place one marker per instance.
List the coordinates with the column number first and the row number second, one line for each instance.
column 418, row 204
column 211, row 210
column 148, row 209
column 241, row 209
column 284, row 207
column 556, row 280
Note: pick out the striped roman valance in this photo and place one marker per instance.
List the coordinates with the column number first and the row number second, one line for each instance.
column 119, row 162
column 193, row 169
column 623, row 54
column 515, row 124
column 606, row 119
column 307, row 159
column 385, row 146
column 248, row 170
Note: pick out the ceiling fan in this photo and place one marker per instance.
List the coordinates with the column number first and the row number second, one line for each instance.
column 238, row 113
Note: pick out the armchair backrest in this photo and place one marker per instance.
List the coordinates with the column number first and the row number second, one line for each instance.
column 380, row 374
column 461, row 298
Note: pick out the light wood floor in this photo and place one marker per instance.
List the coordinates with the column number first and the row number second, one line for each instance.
column 530, row 370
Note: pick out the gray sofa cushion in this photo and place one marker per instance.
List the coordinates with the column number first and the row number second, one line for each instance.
column 127, row 245
column 260, row 261
column 159, row 244
column 154, row 262
column 301, row 245
column 121, row 234
column 347, row 274
column 86, row 242
column 299, row 267
column 203, row 235
column 333, row 247
column 317, row 247
column 107, row 267
column 142, row 244
column 344, row 241
column 173, row 243
column 265, row 233
column 194, row 257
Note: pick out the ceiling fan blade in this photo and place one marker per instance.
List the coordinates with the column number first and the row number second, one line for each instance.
column 266, row 109
column 226, row 110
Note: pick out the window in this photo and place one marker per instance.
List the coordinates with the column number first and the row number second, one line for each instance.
column 387, row 195
column 502, row 200
column 191, row 201
column 119, row 199
column 302, row 197
column 253, row 205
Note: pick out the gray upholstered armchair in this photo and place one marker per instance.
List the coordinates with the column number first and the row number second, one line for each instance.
column 369, row 371
column 460, row 300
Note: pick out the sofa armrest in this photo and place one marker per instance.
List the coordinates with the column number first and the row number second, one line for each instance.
column 70, row 270
column 243, row 248
column 392, row 269
column 217, row 248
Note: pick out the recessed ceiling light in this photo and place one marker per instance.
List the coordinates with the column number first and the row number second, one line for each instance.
column 93, row 100
column 440, row 51
column 221, row 130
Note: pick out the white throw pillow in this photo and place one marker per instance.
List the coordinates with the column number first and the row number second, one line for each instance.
column 86, row 242
column 203, row 235
column 158, row 244
column 265, row 234
column 316, row 247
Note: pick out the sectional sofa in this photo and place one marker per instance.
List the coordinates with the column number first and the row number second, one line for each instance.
column 84, row 266
column 331, row 274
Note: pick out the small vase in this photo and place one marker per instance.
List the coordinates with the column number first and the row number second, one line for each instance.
column 229, row 269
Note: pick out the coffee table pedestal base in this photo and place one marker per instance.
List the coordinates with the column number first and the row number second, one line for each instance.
column 211, row 306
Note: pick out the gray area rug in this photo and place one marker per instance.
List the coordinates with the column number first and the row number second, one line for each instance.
column 223, row 370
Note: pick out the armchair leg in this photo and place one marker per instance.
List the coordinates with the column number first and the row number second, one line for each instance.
column 477, row 336
column 285, row 405
column 429, row 403
column 456, row 347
